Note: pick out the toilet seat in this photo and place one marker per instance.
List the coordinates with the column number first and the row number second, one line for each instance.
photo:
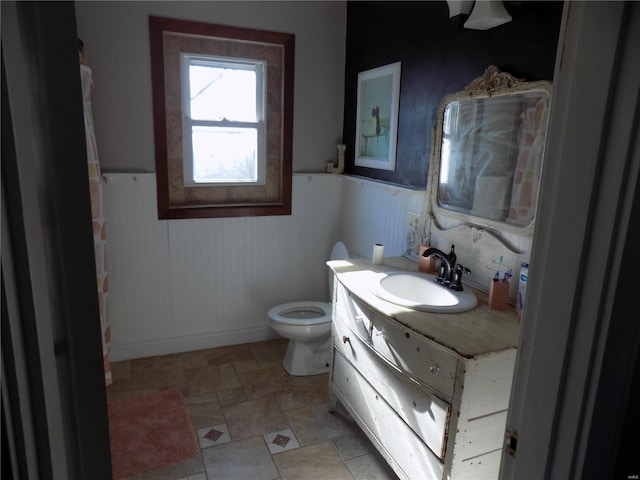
column 307, row 325
column 301, row 313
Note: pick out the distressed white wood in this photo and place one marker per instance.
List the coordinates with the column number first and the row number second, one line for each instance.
column 480, row 251
column 469, row 334
column 401, row 365
column 422, row 411
column 480, row 435
column 355, row 314
column 411, row 459
column 482, row 467
column 487, row 384
column 416, row 355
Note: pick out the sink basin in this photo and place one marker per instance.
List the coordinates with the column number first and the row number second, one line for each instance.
column 420, row 292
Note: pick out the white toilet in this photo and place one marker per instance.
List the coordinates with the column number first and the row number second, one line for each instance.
column 307, row 325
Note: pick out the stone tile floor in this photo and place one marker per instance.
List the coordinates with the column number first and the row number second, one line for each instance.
column 252, row 419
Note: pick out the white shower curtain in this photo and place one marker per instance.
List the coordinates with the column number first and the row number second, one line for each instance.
column 524, row 191
column 97, row 213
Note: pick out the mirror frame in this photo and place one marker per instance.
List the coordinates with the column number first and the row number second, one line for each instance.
column 493, row 83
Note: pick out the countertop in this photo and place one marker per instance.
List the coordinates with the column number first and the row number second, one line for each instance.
column 470, row 334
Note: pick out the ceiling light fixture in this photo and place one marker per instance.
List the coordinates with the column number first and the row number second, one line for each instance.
column 487, row 14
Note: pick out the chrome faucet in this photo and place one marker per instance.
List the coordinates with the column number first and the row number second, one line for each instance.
column 449, row 274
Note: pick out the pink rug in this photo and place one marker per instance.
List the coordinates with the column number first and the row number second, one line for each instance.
column 150, row 431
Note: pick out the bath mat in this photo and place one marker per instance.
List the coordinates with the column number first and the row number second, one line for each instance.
column 150, row 431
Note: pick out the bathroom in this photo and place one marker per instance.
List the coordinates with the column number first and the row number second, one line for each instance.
column 166, row 299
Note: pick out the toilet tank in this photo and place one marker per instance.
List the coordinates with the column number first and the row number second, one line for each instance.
column 339, row 252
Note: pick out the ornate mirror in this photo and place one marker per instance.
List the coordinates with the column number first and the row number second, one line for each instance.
column 488, row 150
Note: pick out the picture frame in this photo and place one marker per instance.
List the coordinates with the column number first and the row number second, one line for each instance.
column 377, row 117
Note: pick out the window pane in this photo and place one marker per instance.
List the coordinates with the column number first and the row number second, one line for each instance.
column 223, row 154
column 218, row 92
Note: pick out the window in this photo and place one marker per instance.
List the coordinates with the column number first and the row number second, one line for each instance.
column 223, row 123
column 223, row 100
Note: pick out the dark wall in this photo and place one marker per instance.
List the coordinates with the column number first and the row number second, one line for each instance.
column 438, row 57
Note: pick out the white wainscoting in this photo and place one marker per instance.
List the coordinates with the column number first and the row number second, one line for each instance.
column 182, row 285
column 374, row 212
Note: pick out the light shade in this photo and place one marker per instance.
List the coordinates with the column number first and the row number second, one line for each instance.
column 457, row 7
column 487, row 14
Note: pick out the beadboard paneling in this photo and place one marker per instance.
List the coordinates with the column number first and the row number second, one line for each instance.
column 137, row 250
column 374, row 212
column 178, row 285
column 182, row 285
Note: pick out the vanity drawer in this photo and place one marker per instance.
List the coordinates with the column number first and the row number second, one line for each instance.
column 426, row 414
column 415, row 354
column 354, row 313
column 410, row 457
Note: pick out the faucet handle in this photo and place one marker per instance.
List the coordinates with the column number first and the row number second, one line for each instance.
column 452, row 256
column 442, row 273
column 462, row 268
column 456, row 282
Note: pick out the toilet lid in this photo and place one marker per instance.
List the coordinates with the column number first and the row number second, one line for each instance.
column 301, row 313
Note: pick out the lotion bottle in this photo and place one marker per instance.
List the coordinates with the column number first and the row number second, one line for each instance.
column 522, row 288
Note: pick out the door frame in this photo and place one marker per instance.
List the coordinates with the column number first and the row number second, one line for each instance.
column 580, row 336
column 53, row 388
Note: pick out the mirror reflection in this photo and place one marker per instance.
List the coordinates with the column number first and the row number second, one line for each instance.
column 490, row 153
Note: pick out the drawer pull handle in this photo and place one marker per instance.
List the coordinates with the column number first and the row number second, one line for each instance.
column 434, row 369
column 345, row 339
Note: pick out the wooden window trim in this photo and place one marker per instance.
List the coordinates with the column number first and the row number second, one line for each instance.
column 282, row 204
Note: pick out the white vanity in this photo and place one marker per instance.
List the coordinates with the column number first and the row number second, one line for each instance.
column 430, row 390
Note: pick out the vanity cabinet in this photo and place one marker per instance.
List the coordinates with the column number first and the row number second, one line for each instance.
column 432, row 398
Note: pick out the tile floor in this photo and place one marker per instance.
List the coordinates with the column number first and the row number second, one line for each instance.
column 253, row 420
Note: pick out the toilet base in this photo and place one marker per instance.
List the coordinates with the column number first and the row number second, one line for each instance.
column 307, row 358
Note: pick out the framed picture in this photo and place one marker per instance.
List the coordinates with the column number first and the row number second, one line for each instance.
column 377, row 122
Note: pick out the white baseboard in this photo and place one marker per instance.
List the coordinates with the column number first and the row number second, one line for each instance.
column 164, row 346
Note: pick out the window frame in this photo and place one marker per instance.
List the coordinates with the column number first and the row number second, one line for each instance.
column 177, row 200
